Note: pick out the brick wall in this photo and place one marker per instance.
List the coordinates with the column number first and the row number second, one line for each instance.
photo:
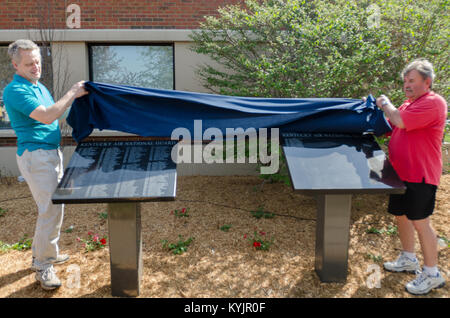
column 108, row 14
column 8, row 141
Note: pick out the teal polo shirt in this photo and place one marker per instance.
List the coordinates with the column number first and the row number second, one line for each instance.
column 21, row 97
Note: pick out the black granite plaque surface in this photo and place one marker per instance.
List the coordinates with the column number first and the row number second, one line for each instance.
column 338, row 164
column 119, row 171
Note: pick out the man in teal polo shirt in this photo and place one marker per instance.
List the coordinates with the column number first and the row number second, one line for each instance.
column 34, row 117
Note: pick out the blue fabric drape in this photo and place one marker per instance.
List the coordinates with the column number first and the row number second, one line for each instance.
column 157, row 112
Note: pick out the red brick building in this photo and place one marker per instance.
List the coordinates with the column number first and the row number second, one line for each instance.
column 134, row 42
column 109, row 14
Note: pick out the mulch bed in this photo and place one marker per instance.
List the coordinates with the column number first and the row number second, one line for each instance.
column 219, row 263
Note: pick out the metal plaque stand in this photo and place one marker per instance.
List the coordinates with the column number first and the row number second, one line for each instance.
column 122, row 174
column 333, row 167
column 125, row 246
column 332, row 237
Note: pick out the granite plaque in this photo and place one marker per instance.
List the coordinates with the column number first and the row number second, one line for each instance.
column 321, row 163
column 119, row 171
column 333, row 167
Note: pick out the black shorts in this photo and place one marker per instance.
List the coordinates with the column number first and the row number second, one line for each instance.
column 417, row 203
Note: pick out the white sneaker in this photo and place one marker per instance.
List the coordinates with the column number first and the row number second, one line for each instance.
column 60, row 259
column 403, row 264
column 48, row 278
column 424, row 283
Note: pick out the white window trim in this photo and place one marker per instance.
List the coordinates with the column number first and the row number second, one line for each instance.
column 102, row 35
column 107, row 36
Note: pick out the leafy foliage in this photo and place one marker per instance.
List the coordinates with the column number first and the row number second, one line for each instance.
column 259, row 240
column 260, row 213
column 23, row 244
column 318, row 48
column 179, row 247
column 93, row 242
column 225, row 227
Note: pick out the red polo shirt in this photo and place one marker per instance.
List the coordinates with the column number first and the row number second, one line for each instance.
column 415, row 151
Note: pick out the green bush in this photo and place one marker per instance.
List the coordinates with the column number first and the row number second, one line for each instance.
column 318, row 48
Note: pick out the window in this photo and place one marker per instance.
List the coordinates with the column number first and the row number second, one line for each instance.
column 6, row 75
column 148, row 66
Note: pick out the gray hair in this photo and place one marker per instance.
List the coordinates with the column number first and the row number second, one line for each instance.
column 423, row 66
column 15, row 47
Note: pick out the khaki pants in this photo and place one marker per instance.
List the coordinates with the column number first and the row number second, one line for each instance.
column 42, row 170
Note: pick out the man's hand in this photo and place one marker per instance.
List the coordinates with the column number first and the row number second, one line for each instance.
column 48, row 115
column 382, row 101
column 390, row 111
column 79, row 90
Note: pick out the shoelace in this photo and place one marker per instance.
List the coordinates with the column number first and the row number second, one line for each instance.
column 48, row 273
column 420, row 279
column 403, row 256
column 403, row 259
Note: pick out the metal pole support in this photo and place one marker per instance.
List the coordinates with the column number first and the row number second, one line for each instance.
column 125, row 246
column 332, row 237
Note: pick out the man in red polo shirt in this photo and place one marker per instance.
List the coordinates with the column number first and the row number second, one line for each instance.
column 415, row 153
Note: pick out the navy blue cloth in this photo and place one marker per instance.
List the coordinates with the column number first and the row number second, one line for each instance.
column 156, row 112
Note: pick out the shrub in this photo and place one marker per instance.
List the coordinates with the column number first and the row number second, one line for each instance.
column 318, row 48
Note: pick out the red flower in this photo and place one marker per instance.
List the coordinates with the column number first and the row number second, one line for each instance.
column 103, row 241
column 245, row 236
column 262, row 233
column 256, row 244
column 183, row 210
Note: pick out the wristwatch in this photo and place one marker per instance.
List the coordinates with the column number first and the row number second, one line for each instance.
column 384, row 103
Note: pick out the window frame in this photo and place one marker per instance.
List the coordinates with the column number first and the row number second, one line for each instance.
column 92, row 44
column 5, row 131
column 9, row 130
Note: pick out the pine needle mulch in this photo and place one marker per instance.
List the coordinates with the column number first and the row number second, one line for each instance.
column 219, row 263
